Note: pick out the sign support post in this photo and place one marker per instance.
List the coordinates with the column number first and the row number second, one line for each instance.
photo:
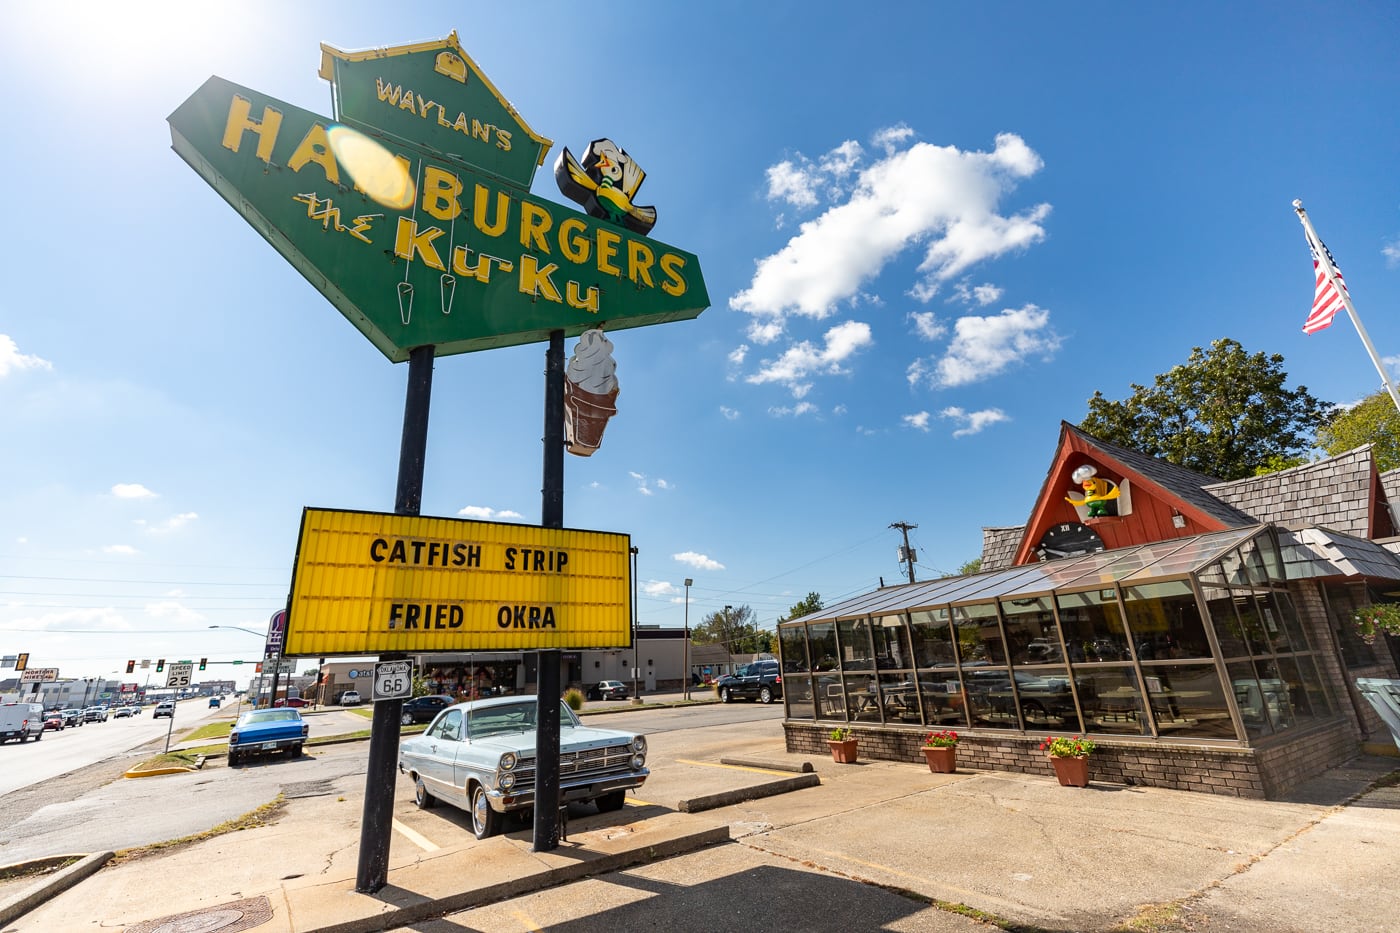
column 551, row 516
column 376, row 824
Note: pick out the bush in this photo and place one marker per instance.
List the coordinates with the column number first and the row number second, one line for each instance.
column 574, row 697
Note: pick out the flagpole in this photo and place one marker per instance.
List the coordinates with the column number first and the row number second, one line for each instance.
column 1335, row 278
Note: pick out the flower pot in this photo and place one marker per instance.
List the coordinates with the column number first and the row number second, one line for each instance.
column 1072, row 772
column 843, row 752
column 942, row 760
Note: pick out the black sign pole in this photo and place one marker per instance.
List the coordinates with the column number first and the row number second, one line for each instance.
column 551, row 516
column 376, row 825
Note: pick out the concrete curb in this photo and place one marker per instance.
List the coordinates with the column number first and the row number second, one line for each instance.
column 20, row 904
column 730, row 797
column 803, row 768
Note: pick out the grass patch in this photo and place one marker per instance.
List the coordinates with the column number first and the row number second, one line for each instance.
column 182, row 758
column 265, row 815
column 212, row 730
column 37, row 869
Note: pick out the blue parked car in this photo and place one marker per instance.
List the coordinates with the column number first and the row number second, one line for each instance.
column 261, row 731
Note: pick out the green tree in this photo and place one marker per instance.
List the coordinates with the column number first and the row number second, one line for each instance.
column 735, row 628
column 1373, row 420
column 1224, row 412
column 810, row 604
column 969, row 568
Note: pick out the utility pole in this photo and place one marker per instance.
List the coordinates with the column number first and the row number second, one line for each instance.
column 905, row 554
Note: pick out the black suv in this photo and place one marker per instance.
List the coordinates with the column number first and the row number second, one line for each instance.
column 761, row 681
column 423, row 709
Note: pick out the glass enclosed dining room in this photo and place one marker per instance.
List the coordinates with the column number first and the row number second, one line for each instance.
column 1192, row 641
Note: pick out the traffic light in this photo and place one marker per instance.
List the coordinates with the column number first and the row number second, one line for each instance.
column 130, row 667
column 203, row 663
column 22, row 661
column 160, row 665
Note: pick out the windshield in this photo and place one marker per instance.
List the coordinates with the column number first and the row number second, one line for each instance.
column 498, row 719
column 268, row 715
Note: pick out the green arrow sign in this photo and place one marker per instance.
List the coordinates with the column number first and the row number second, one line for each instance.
column 416, row 248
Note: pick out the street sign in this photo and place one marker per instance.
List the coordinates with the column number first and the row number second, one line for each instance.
column 178, row 674
column 39, row 675
column 275, row 627
column 393, row 680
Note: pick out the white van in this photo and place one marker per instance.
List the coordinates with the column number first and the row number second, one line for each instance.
column 21, row 721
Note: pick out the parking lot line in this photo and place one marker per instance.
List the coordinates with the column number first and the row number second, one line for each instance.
column 711, row 764
column 416, row 838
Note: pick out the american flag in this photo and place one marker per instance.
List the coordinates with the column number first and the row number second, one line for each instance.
column 1327, row 300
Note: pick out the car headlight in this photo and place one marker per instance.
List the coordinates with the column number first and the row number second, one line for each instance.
column 508, row 761
column 639, row 745
column 506, row 781
column 639, row 761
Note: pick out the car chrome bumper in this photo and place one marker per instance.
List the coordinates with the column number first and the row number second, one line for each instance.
column 583, row 789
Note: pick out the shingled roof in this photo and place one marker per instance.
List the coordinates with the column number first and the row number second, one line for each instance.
column 999, row 546
column 1336, row 492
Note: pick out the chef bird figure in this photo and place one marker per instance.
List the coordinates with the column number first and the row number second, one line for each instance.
column 605, row 184
column 1098, row 493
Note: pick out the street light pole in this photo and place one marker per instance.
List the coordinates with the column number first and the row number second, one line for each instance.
column 263, row 637
column 685, row 673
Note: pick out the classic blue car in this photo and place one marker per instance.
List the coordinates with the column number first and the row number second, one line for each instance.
column 480, row 757
column 267, row 730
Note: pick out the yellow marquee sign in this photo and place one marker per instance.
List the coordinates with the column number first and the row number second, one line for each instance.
column 372, row 583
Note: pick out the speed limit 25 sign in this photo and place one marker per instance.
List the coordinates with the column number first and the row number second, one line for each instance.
column 393, row 680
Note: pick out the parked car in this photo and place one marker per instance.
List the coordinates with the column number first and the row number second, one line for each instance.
column 53, row 722
column 423, row 709
column 164, row 708
column 95, row 714
column 125, row 712
column 607, row 690
column 480, row 757
column 291, row 702
column 350, row 698
column 72, row 717
column 261, row 731
column 760, row 680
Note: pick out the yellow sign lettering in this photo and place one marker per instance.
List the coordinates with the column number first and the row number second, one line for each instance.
column 409, row 240
column 239, row 122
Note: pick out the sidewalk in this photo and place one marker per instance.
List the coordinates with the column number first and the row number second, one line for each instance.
column 1020, row 847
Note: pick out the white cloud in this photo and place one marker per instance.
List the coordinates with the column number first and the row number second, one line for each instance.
column 984, row 294
column 171, row 610
column 803, row 359
column 121, row 550
column 12, row 359
column 698, row 561
column 973, row 421
column 730, row 414
column 662, row 484
column 737, row 355
column 984, row 346
column 132, row 491
column 915, row 372
column 793, row 184
column 798, row 410
column 658, row 588
column 842, row 160
column 891, row 138
column 927, row 325
column 919, row 420
column 1391, row 252
column 646, row 486
column 486, row 513
column 935, row 197
column 170, row 524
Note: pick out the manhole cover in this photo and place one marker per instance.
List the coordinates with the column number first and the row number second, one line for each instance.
column 223, row 918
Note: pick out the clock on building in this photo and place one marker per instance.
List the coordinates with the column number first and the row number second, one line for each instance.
column 1068, row 539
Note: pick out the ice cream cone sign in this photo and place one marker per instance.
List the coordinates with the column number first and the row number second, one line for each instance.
column 590, row 392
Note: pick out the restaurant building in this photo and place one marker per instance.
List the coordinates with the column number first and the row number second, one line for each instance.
column 1200, row 631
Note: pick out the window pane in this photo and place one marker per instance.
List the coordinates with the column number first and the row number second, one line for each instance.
column 1046, row 703
column 942, row 699
column 1318, row 698
column 831, row 696
column 798, row 697
column 1292, row 625
column 1271, row 621
column 862, row 698
column 1288, row 673
column 899, row 699
column 1093, row 627
column 1252, row 620
column 1187, row 700
column 1030, row 631
column 1228, row 631
column 989, row 698
column 933, row 639
column 1111, row 700
column 1253, row 562
column 892, row 644
column 1252, row 700
column 821, row 638
column 854, row 636
column 793, row 643
column 979, row 636
column 1165, row 621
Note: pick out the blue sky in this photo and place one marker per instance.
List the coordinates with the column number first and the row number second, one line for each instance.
column 930, row 231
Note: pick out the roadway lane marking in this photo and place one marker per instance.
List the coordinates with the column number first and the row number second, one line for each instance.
column 711, row 764
column 417, row 839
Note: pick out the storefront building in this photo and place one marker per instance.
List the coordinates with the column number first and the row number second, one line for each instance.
column 1218, row 659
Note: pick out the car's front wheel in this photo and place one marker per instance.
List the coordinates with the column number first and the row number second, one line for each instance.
column 425, row 800
column 724, row 694
column 610, row 802
column 765, row 695
column 406, row 719
column 485, row 821
column 233, row 759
